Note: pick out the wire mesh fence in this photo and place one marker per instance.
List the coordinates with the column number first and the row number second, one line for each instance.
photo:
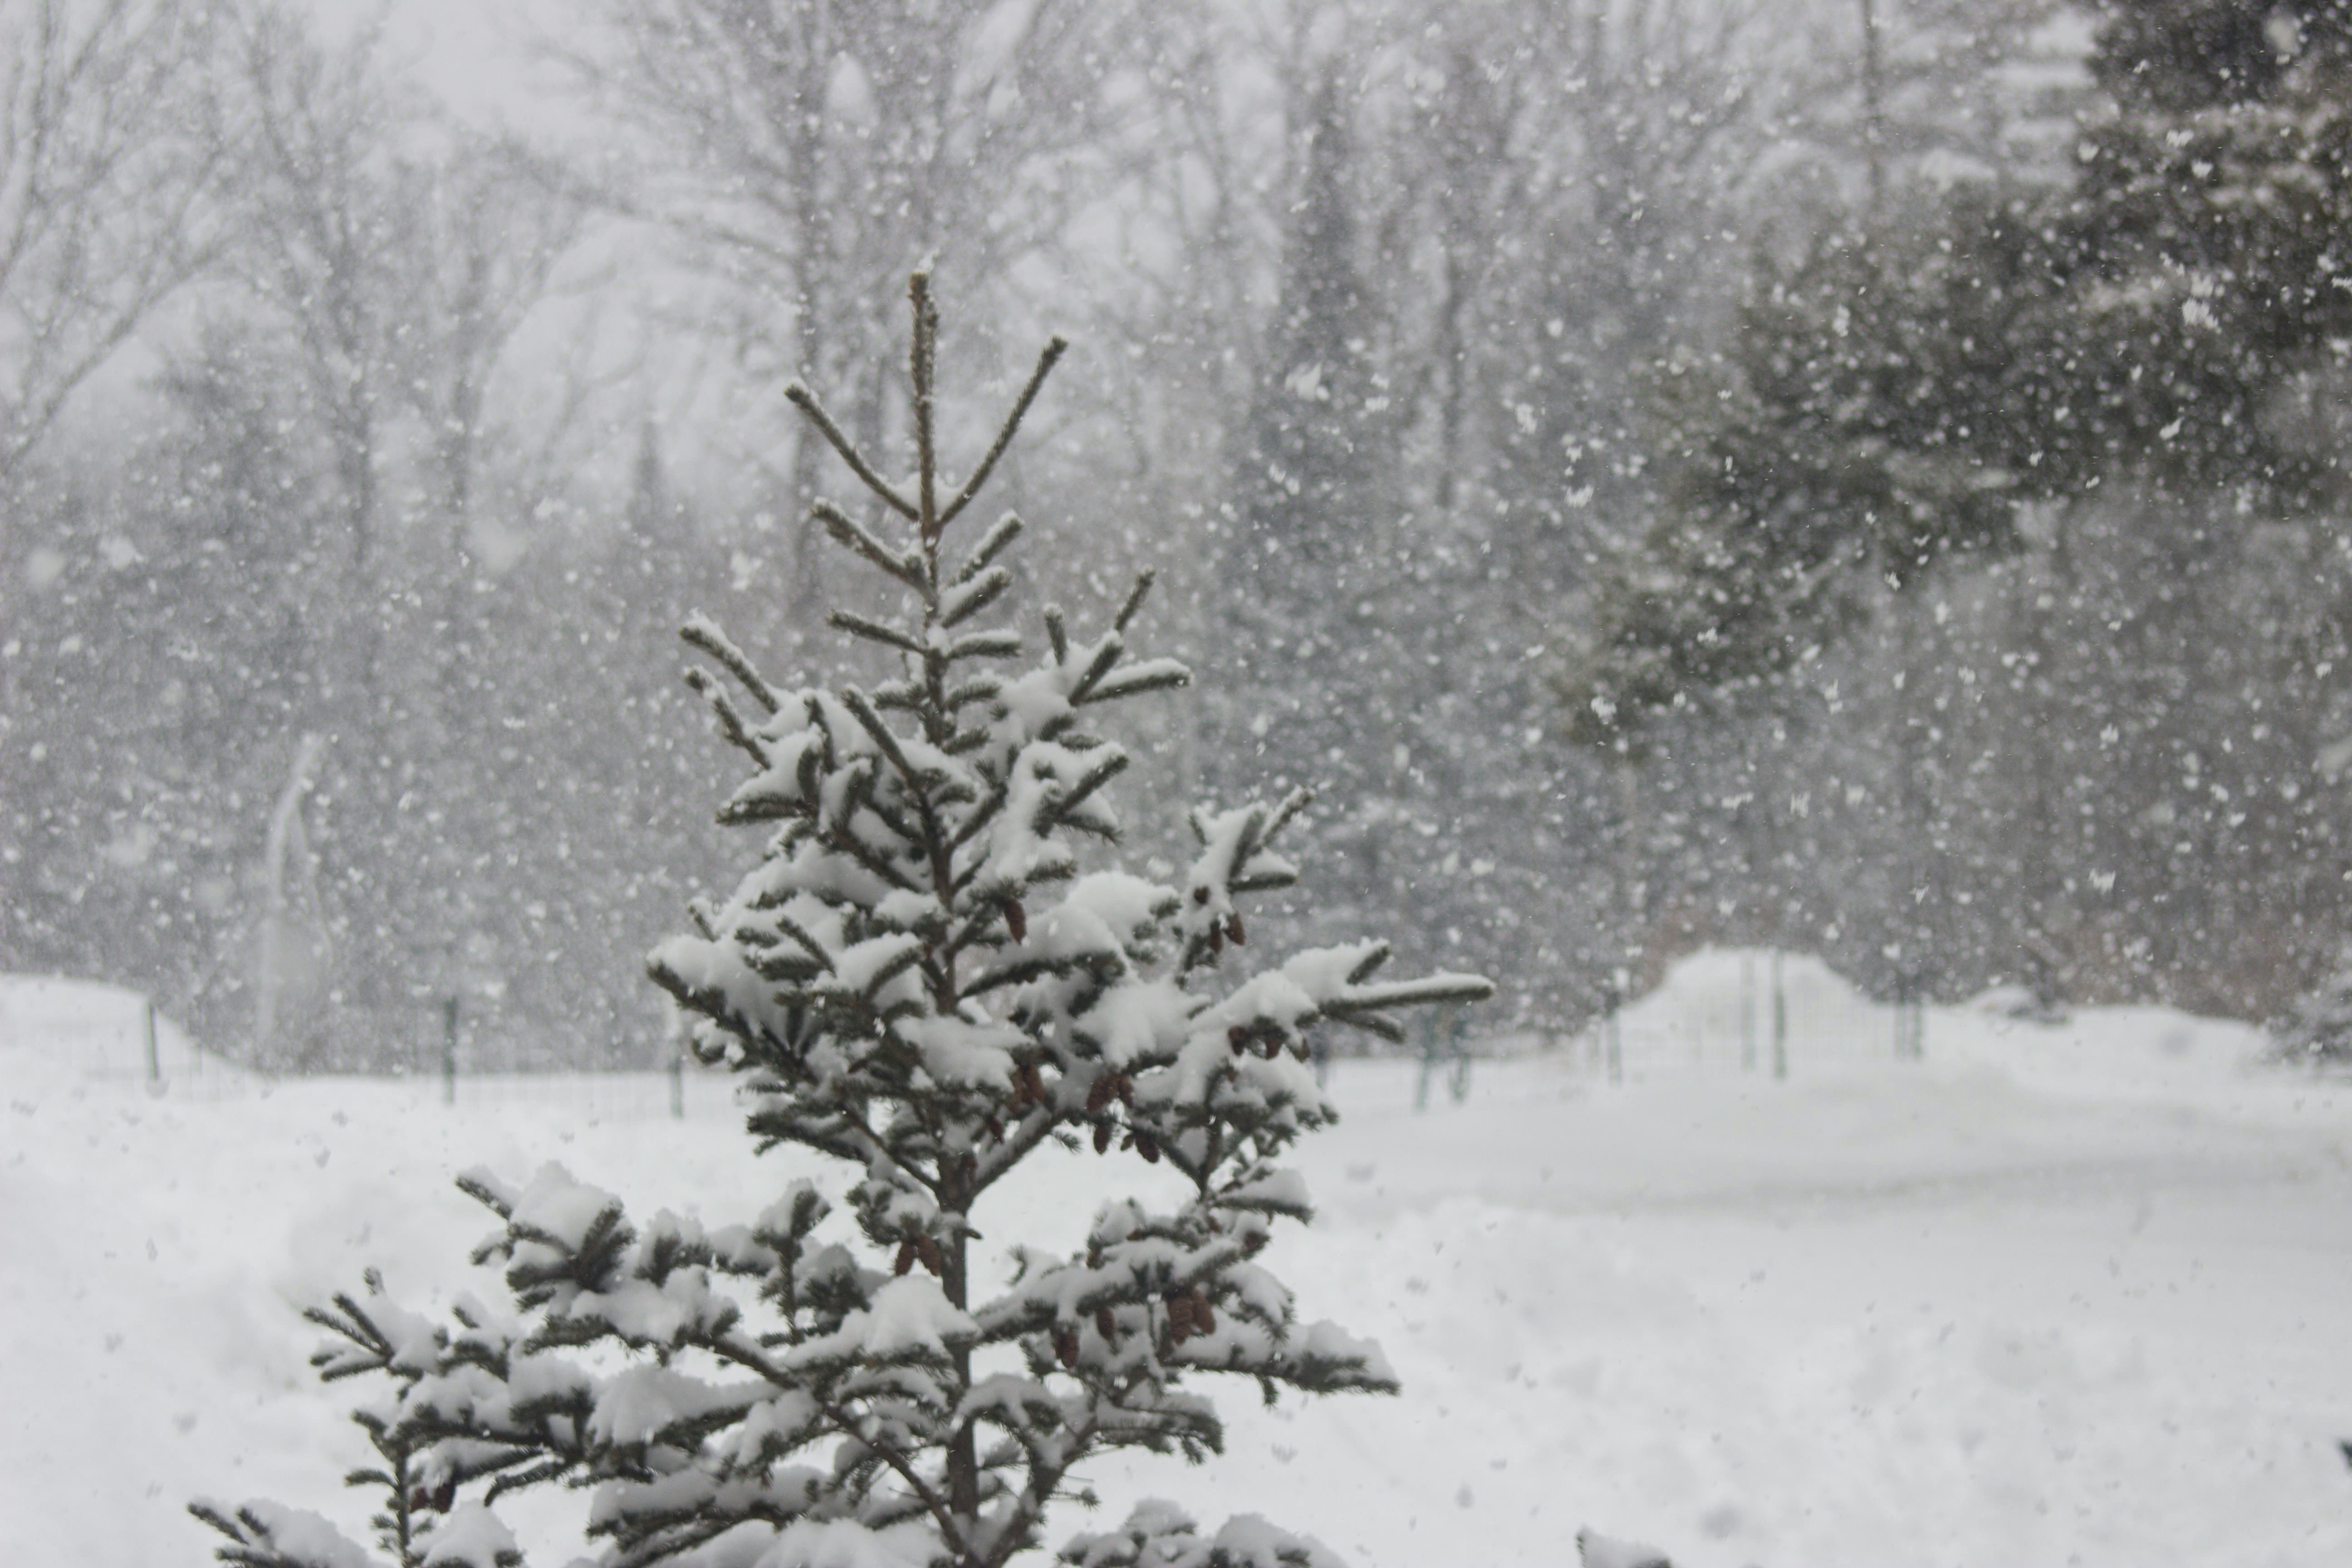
column 1719, row 1012
column 1730, row 1010
column 106, row 1035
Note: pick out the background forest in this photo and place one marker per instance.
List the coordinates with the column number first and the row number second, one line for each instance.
column 1858, row 475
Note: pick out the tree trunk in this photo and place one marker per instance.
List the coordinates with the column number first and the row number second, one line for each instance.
column 284, row 826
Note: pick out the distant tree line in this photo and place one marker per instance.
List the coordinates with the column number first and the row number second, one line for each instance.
column 1863, row 478
column 2066, row 446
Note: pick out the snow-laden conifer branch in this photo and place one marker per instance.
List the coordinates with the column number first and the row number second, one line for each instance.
column 268, row 1535
column 885, row 742
column 850, row 621
column 992, row 543
column 701, row 632
column 968, row 597
column 1153, row 675
column 730, row 721
column 907, row 566
column 1160, row 1535
column 1004, row 644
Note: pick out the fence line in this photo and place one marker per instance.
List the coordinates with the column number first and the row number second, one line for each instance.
column 1732, row 1011
column 1719, row 1013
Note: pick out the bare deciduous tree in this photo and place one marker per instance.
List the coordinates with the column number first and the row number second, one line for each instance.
column 387, row 258
column 815, row 150
column 104, row 175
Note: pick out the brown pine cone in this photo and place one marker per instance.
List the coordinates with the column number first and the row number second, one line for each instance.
column 905, row 1258
column 927, row 1251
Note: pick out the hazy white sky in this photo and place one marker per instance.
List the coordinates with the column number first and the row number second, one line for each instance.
column 479, row 54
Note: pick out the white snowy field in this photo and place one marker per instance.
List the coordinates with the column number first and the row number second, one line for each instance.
column 2056, row 1295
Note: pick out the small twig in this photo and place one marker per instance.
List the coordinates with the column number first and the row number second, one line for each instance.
column 802, row 398
column 923, row 358
column 1055, row 346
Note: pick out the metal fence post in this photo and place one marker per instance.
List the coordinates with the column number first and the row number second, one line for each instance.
column 1779, row 1021
column 1747, row 1012
column 1612, row 1036
column 449, row 1050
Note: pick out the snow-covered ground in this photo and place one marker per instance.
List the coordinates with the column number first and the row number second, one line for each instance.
column 2059, row 1294
column 101, row 1032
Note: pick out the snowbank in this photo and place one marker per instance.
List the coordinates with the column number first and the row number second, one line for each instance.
column 98, row 1030
column 1713, row 1008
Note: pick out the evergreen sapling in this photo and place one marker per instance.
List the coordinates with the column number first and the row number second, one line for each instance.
column 921, row 980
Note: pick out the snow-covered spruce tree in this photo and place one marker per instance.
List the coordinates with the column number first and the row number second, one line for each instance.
column 920, row 982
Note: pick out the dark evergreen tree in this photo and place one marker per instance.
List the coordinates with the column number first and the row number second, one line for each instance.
column 1867, row 423
column 1873, row 417
column 921, row 981
column 1893, row 397
column 2158, row 330
column 2178, row 57
column 2206, row 258
column 2319, row 1030
column 179, row 578
column 1316, row 455
column 1310, row 652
